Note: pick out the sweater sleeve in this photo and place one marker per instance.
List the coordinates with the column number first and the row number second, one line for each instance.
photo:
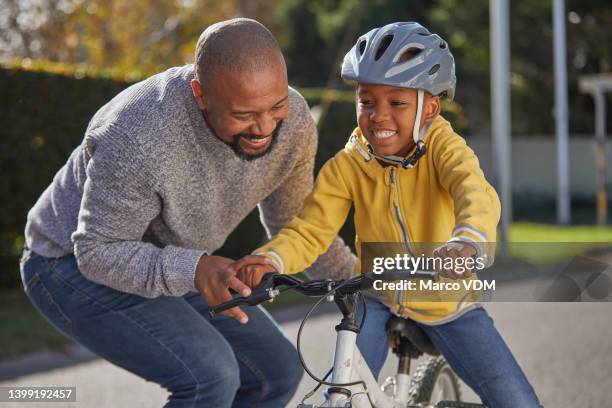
column 118, row 204
column 312, row 233
column 477, row 207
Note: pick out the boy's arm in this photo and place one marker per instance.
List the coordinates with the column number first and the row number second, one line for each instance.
column 477, row 207
column 288, row 199
column 311, row 233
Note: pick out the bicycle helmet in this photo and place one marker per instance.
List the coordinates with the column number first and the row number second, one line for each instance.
column 404, row 55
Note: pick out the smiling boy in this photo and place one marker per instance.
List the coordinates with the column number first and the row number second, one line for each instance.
column 412, row 180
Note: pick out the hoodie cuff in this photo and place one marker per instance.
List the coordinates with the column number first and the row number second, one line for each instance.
column 276, row 259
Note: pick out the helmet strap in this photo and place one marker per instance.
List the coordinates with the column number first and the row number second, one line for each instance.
column 416, row 129
column 418, row 153
column 417, row 134
column 396, row 160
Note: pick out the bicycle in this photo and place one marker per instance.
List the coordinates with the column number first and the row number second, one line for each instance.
column 353, row 385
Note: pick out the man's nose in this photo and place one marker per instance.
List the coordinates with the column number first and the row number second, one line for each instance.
column 264, row 125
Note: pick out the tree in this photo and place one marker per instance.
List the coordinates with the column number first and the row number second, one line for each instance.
column 133, row 35
column 313, row 45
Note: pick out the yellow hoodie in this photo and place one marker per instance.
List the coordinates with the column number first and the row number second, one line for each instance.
column 444, row 197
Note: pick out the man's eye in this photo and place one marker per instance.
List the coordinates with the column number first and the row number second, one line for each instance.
column 398, row 103
column 277, row 108
column 364, row 102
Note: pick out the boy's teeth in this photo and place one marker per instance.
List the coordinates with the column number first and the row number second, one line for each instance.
column 383, row 134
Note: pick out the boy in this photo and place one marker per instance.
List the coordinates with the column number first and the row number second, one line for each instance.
column 411, row 180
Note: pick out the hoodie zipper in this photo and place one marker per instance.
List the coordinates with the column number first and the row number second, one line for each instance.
column 399, row 296
column 398, row 213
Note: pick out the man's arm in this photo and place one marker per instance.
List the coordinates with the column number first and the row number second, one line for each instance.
column 288, row 199
column 119, row 202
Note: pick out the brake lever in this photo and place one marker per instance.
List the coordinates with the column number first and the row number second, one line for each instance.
column 266, row 290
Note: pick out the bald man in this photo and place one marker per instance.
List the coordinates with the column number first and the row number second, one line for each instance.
column 120, row 246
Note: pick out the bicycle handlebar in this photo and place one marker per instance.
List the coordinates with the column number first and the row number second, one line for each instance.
column 267, row 289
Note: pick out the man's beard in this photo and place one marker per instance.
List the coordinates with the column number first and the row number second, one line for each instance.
column 235, row 144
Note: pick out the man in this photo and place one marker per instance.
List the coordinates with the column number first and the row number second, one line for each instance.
column 121, row 242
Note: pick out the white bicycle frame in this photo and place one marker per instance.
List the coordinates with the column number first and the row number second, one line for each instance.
column 350, row 366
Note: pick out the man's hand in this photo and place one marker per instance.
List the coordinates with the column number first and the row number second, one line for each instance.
column 252, row 268
column 213, row 279
column 455, row 250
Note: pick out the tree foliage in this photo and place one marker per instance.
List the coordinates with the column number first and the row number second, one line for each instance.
column 465, row 24
column 145, row 36
column 133, row 35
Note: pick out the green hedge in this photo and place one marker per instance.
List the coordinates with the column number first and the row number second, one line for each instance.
column 43, row 117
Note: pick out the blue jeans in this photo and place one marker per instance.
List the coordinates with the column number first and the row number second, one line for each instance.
column 168, row 340
column 472, row 346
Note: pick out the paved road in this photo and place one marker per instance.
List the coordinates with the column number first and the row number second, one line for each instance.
column 564, row 348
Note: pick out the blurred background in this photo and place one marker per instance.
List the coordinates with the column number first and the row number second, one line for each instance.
column 61, row 60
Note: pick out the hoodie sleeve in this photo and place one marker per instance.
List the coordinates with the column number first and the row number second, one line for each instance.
column 336, row 259
column 314, row 231
column 476, row 204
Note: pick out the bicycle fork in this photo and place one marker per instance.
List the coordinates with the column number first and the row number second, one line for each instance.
column 350, row 366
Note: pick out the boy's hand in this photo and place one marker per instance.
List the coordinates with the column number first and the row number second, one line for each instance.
column 454, row 250
column 252, row 268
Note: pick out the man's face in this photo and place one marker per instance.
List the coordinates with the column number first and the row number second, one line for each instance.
column 246, row 110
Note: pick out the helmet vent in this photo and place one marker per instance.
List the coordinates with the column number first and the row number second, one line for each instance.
column 362, row 46
column 442, row 44
column 409, row 54
column 382, row 47
column 434, row 69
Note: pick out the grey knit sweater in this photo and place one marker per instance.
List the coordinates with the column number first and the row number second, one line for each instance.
column 151, row 189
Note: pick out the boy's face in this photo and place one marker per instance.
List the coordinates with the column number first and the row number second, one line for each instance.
column 386, row 115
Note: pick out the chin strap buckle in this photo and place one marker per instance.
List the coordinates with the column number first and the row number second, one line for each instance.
column 410, row 162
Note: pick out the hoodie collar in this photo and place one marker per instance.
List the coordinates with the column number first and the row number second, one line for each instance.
column 359, row 146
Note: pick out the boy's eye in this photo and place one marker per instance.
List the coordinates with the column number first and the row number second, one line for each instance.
column 364, row 102
column 398, row 103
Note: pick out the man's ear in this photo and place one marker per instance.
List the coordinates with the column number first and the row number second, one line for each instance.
column 198, row 94
column 431, row 109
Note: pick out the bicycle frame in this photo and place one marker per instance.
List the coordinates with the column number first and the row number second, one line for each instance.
column 350, row 366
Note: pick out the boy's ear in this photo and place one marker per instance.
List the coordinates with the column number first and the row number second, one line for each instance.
column 432, row 108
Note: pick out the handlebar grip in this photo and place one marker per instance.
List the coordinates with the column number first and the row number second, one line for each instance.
column 225, row 306
column 258, row 295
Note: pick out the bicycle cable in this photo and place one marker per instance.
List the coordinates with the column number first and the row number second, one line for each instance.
column 312, row 392
column 299, row 335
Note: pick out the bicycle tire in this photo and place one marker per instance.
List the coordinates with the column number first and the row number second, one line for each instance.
column 425, row 378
